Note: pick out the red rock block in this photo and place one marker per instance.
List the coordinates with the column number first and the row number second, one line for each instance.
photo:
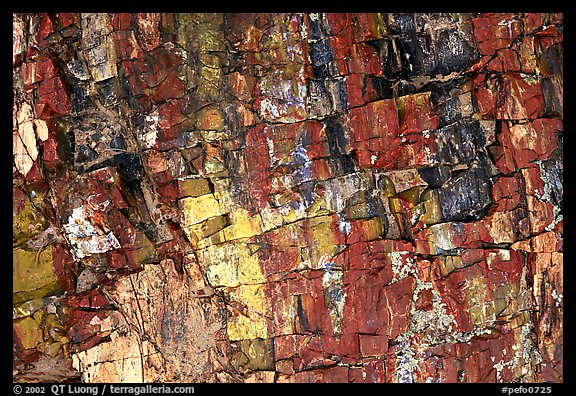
column 373, row 371
column 118, row 260
column 480, row 64
column 438, row 365
column 64, row 267
column 362, row 256
column 258, row 165
column 472, row 256
column 171, row 119
column 66, row 19
column 386, row 309
column 355, row 375
column 46, row 29
column 477, row 368
column 520, row 98
column 365, row 299
column 320, row 169
column 547, row 31
column 547, row 129
column 287, row 346
column 359, row 90
column 336, row 374
column 527, row 54
column 509, row 59
column 342, row 44
column 168, row 192
column 424, row 300
column 399, row 296
column 52, row 94
column 50, row 156
column 367, row 26
column 121, row 21
column 171, row 88
column 34, row 175
column 373, row 129
column 503, row 267
column 363, row 230
column 340, row 24
column 345, row 346
column 485, row 94
column 137, row 85
column 154, row 68
column 373, row 345
column 277, row 259
column 312, row 355
column 507, row 193
column 39, row 70
column 87, row 328
column 495, row 65
column 127, row 48
column 148, row 30
column 415, row 113
column 454, row 298
column 495, row 31
column 545, row 41
column 376, row 120
column 364, row 59
column 494, row 350
column 92, row 299
column 527, row 142
column 533, row 21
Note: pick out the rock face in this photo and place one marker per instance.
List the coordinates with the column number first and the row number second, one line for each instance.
column 288, row 197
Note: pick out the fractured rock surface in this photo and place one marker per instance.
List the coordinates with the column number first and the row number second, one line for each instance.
column 288, row 197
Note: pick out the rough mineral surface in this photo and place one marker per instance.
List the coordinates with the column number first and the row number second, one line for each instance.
column 288, row 197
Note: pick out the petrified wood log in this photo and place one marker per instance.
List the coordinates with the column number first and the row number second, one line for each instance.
column 288, row 197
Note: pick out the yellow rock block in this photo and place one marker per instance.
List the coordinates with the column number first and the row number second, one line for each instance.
column 319, row 208
column 193, row 187
column 449, row 264
column 32, row 275
column 198, row 209
column 211, row 119
column 27, row 332
column 145, row 250
column 252, row 322
column 373, row 227
column 258, row 354
column 220, row 264
column 325, row 243
column 206, row 228
column 231, row 264
column 271, row 218
column 244, row 226
column 432, row 214
column 26, row 222
column 249, row 271
column 441, row 237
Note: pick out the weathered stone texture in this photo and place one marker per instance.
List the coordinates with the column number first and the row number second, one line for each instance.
column 288, row 197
